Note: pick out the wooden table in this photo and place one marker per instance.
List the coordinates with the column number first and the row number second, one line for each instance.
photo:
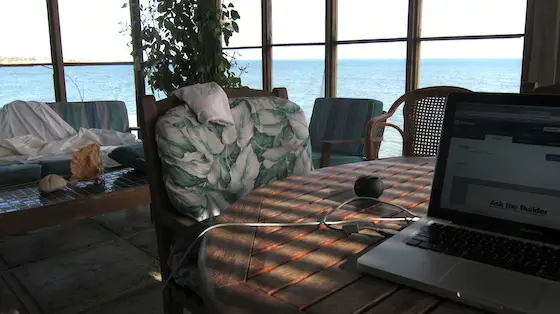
column 310, row 269
column 23, row 208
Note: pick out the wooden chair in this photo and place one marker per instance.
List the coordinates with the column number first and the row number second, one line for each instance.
column 534, row 88
column 423, row 117
column 548, row 89
column 168, row 222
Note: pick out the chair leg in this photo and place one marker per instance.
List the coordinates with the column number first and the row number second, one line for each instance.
column 164, row 238
column 169, row 305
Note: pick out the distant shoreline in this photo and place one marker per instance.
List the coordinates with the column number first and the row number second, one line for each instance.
column 43, row 61
column 8, row 61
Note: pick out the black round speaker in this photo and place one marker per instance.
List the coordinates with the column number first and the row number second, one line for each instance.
column 369, row 186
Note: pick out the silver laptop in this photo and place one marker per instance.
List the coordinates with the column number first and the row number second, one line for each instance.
column 491, row 237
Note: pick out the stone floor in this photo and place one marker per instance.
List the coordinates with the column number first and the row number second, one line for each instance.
column 107, row 264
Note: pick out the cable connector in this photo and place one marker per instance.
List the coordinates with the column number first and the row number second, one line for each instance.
column 356, row 228
column 350, row 229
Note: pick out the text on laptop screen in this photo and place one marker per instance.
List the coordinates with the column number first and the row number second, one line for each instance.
column 504, row 162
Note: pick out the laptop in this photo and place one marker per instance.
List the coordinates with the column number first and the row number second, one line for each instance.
column 491, row 238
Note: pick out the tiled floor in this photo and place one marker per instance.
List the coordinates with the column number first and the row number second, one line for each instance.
column 103, row 265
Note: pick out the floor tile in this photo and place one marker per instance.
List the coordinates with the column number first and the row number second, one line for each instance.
column 9, row 301
column 127, row 222
column 142, row 302
column 48, row 242
column 83, row 278
column 146, row 241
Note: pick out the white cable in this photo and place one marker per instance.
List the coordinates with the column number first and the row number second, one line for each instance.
column 363, row 198
column 323, row 221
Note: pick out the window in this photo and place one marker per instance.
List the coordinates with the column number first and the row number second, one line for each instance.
column 473, row 17
column 479, row 65
column 298, row 21
column 301, row 70
column 372, row 19
column 24, row 30
column 25, row 40
column 372, row 71
column 375, row 71
column 29, row 83
column 101, row 82
column 88, row 38
column 486, row 64
column 249, row 23
column 248, row 64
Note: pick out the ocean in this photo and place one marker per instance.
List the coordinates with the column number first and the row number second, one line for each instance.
column 381, row 79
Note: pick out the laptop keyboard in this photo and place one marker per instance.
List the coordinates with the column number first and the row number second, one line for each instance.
column 532, row 259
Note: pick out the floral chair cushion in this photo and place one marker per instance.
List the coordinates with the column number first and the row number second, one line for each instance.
column 206, row 167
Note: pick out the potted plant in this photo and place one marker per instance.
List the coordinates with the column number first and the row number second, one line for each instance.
column 182, row 43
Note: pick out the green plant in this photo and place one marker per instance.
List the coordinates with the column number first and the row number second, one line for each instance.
column 182, row 43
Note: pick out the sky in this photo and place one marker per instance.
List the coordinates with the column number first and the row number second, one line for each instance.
column 91, row 29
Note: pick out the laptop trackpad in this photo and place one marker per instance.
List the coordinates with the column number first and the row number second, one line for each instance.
column 493, row 287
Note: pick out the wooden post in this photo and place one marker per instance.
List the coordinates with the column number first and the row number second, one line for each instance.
column 56, row 50
column 136, row 34
column 331, row 38
column 527, row 44
column 413, row 44
column 266, row 13
column 542, row 43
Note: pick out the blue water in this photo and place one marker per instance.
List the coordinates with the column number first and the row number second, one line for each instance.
column 375, row 78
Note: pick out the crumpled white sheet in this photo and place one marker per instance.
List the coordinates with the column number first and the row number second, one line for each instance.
column 208, row 101
column 32, row 131
column 32, row 146
column 20, row 118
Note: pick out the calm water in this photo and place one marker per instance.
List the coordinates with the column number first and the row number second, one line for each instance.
column 379, row 79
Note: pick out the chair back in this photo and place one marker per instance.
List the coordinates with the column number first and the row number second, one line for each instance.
column 342, row 119
column 423, row 113
column 149, row 113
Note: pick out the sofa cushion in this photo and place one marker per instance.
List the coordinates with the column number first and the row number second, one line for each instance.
column 131, row 155
column 110, row 115
column 59, row 167
column 17, row 173
column 206, row 167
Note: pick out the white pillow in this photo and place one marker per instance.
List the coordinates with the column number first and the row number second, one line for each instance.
column 208, row 101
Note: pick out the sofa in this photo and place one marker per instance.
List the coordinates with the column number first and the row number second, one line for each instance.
column 110, row 115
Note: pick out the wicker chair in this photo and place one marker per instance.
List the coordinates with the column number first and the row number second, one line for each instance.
column 423, row 117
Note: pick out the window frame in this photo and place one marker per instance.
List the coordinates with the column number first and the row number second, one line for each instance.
column 413, row 40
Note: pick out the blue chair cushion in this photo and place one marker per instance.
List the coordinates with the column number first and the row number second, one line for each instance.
column 17, row 173
column 342, row 119
column 59, row 167
column 131, row 155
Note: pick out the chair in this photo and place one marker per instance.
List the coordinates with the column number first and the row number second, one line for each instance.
column 338, row 127
column 423, row 117
column 548, row 89
column 534, row 88
column 273, row 143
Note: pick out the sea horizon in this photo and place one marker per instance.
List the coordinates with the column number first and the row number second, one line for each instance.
column 381, row 79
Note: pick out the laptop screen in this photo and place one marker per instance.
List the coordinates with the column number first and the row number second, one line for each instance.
column 504, row 162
